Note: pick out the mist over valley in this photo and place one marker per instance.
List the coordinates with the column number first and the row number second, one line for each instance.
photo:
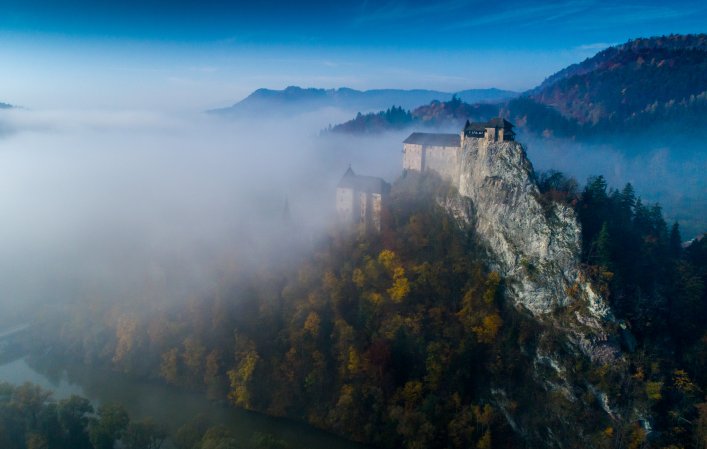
column 472, row 226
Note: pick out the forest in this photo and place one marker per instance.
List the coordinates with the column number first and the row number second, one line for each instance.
column 399, row 339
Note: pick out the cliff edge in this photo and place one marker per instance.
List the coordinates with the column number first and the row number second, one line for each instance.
column 535, row 247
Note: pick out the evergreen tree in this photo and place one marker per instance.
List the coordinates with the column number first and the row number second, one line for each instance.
column 603, row 247
column 675, row 241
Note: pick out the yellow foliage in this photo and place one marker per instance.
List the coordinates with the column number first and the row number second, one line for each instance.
column 492, row 283
column 388, row 259
column 483, row 415
column 653, row 390
column 311, row 324
column 126, row 334
column 639, row 375
column 169, row 368
column 240, row 378
column 608, row 432
column 637, row 438
column 412, row 393
column 329, row 280
column 375, row 297
column 358, row 278
column 354, row 361
column 345, row 396
column 485, row 441
column 401, row 286
column 488, row 330
column 683, row 383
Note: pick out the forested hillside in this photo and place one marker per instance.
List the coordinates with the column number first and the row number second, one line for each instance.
column 399, row 339
column 437, row 114
column 645, row 82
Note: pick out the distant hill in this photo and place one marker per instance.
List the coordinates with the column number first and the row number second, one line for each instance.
column 644, row 82
column 5, row 106
column 294, row 100
column 652, row 86
column 436, row 114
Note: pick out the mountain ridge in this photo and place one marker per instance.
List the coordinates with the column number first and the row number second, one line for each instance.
column 295, row 99
column 654, row 85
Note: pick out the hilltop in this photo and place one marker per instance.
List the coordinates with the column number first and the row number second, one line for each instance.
column 639, row 83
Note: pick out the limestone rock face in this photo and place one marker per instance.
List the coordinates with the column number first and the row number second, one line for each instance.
column 535, row 248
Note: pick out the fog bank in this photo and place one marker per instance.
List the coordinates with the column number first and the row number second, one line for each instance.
column 122, row 203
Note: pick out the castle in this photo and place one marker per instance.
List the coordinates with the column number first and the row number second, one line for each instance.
column 359, row 200
column 442, row 152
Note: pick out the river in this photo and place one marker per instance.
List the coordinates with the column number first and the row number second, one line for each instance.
column 172, row 407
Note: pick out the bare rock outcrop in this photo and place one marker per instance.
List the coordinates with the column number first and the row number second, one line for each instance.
column 535, row 248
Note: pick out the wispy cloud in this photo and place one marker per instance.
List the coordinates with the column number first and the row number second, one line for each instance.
column 473, row 14
column 524, row 15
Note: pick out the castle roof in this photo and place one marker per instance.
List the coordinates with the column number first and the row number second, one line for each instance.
column 441, row 140
column 496, row 122
column 368, row 184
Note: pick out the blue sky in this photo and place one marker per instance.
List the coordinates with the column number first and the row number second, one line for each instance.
column 193, row 55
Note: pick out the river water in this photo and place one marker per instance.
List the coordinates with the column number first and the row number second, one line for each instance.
column 172, row 407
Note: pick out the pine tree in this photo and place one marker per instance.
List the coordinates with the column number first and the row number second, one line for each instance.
column 603, row 247
column 675, row 241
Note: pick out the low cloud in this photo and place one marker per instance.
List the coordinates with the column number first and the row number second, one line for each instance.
column 114, row 202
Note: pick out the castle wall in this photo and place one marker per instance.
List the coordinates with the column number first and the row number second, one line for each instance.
column 362, row 216
column 376, row 210
column 413, row 156
column 359, row 208
column 345, row 204
column 443, row 160
column 491, row 134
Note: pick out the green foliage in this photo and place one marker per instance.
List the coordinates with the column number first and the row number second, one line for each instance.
column 31, row 419
column 392, row 118
column 145, row 434
column 112, row 422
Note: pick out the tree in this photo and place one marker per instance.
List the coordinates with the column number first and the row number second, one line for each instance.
column 73, row 414
column 190, row 434
column 193, row 356
column 219, row 437
column 602, row 247
column 145, row 434
column 675, row 241
column 169, row 369
column 112, row 422
column 241, row 376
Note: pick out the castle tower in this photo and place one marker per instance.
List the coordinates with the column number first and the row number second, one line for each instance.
column 359, row 200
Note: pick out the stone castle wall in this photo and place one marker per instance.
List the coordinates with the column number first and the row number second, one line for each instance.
column 413, row 156
column 443, row 160
column 359, row 208
column 345, row 204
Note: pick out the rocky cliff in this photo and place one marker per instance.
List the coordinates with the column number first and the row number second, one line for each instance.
column 536, row 248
